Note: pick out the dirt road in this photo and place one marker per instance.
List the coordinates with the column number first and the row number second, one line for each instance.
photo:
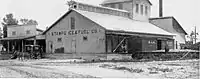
column 183, row 69
column 18, row 69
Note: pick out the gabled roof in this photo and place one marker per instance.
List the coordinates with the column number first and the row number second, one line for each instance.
column 117, row 23
column 116, row 1
column 170, row 17
column 62, row 17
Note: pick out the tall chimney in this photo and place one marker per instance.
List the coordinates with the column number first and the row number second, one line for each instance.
column 160, row 8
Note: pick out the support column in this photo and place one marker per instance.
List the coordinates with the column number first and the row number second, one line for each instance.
column 8, row 44
column 18, row 45
column 35, row 41
column 112, row 48
column 106, row 43
column 15, row 45
column 22, row 46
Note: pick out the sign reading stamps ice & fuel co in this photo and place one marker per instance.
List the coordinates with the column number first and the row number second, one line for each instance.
column 74, row 32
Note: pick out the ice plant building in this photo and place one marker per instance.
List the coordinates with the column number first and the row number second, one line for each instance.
column 117, row 26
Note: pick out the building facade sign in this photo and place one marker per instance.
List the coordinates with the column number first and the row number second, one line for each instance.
column 73, row 32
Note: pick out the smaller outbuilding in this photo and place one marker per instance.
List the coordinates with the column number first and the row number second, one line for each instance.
column 20, row 35
column 171, row 25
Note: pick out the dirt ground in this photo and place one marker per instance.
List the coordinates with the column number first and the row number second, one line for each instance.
column 45, row 68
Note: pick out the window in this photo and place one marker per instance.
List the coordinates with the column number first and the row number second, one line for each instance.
column 28, row 32
column 85, row 38
column 112, row 5
column 120, row 6
column 59, row 40
column 137, row 8
column 14, row 33
column 72, row 23
column 141, row 6
column 146, row 10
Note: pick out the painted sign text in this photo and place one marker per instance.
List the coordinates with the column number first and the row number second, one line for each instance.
column 74, row 32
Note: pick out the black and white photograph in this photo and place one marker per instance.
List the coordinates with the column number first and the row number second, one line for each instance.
column 100, row 39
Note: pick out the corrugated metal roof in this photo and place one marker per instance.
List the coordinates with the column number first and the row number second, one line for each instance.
column 111, row 22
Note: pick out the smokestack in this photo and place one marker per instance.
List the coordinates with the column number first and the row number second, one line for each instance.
column 160, row 8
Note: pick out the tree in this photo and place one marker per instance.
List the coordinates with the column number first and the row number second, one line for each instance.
column 28, row 21
column 192, row 36
column 7, row 21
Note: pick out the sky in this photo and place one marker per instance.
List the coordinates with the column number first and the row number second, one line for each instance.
column 46, row 12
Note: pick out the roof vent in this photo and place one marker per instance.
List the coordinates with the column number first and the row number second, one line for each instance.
column 72, row 4
column 98, row 9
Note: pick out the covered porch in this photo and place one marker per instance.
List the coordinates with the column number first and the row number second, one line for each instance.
column 130, row 42
column 12, row 44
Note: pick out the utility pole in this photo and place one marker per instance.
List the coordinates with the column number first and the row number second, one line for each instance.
column 195, row 35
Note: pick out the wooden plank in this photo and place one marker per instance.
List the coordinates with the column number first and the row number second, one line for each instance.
column 185, row 55
column 119, row 44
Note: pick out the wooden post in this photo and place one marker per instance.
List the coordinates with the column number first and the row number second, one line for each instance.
column 8, row 46
column 15, row 45
column 106, row 43
column 22, row 46
column 18, row 45
column 112, row 46
column 35, row 41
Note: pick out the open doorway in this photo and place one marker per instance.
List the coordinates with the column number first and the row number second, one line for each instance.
column 159, row 44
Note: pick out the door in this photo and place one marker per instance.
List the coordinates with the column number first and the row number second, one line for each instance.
column 73, row 45
column 50, row 47
column 109, row 44
column 159, row 45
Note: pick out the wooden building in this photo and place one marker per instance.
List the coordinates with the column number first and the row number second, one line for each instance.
column 90, row 29
column 20, row 35
column 171, row 25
